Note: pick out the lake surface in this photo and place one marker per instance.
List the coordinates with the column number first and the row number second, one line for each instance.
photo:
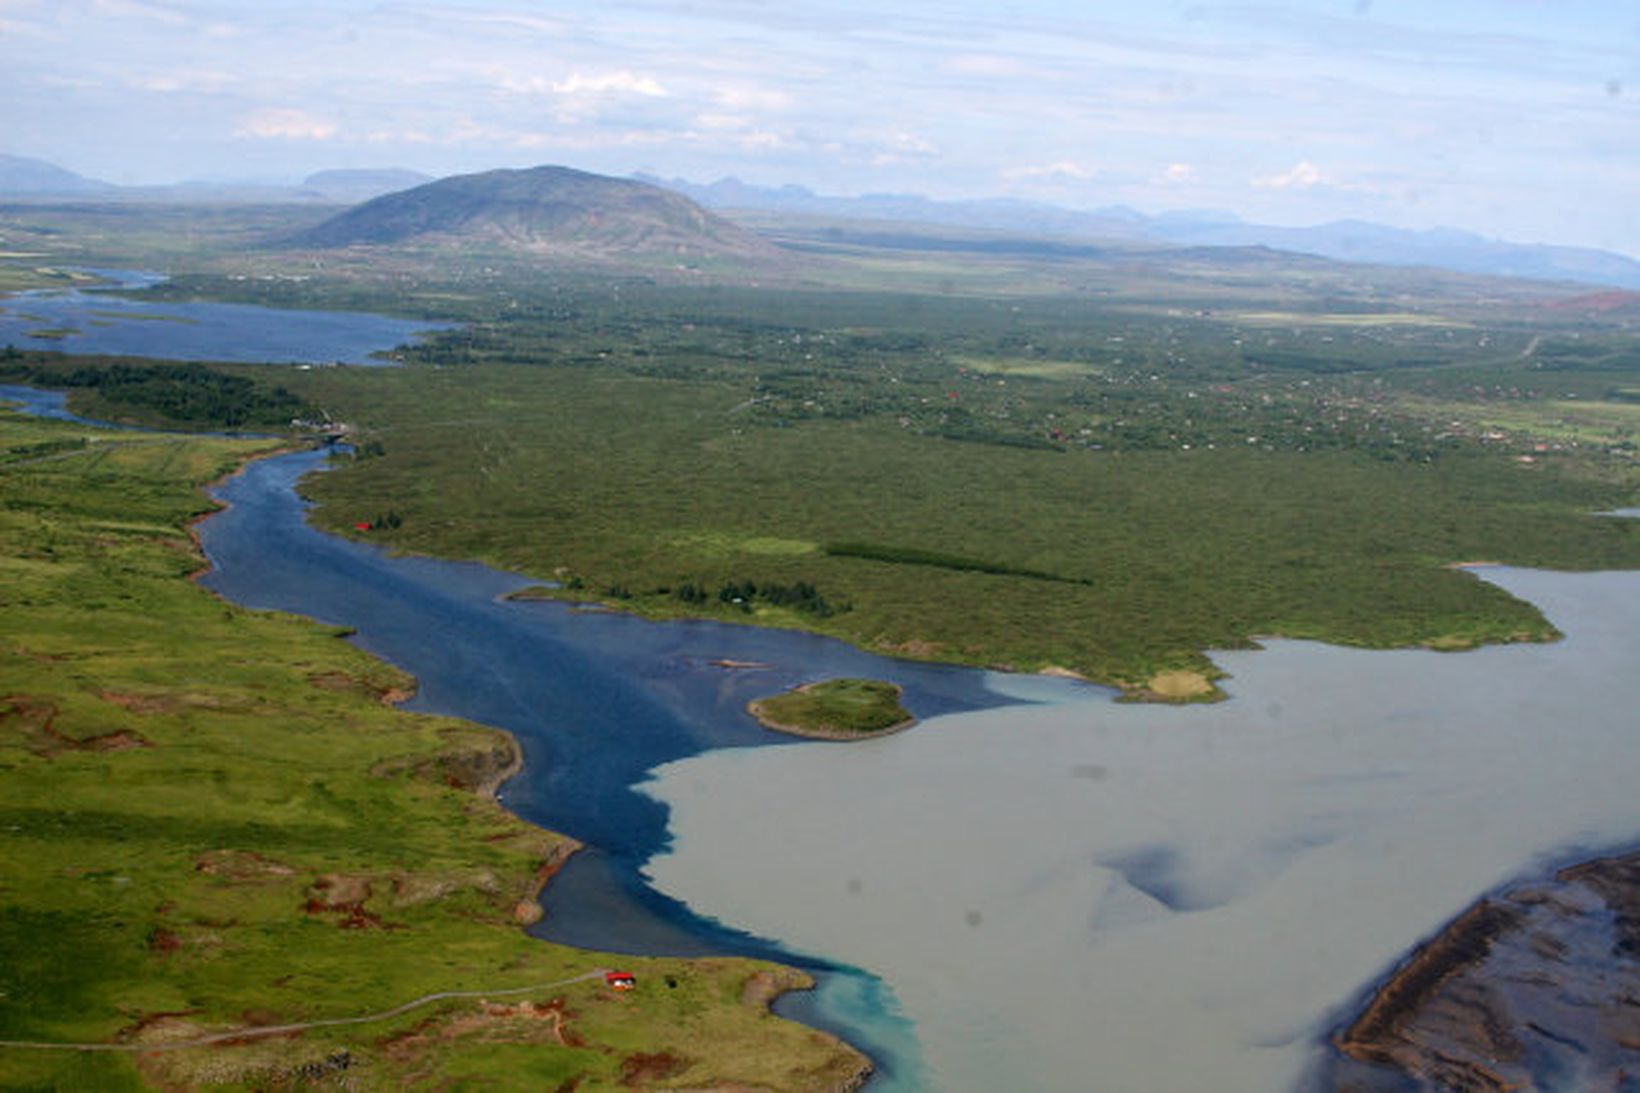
column 93, row 320
column 1123, row 897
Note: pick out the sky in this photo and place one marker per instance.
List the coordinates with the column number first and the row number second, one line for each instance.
column 1518, row 119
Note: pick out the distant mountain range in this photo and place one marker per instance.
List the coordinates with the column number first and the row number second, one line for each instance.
column 1344, row 240
column 1043, row 225
column 24, row 177
column 348, row 186
column 35, row 179
column 553, row 211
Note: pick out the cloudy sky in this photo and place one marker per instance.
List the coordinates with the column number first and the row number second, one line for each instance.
column 1516, row 118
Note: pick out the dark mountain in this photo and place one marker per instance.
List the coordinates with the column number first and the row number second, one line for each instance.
column 362, row 184
column 1345, row 240
column 556, row 211
column 24, row 177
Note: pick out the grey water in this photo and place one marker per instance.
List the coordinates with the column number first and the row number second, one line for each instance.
column 1092, row 895
column 101, row 320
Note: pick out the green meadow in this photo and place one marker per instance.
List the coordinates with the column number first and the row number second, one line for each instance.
column 214, row 820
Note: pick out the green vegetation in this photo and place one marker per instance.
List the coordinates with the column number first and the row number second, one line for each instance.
column 836, row 709
column 214, row 820
column 1076, row 459
column 1098, row 459
column 612, row 482
column 748, row 594
column 939, row 560
column 159, row 394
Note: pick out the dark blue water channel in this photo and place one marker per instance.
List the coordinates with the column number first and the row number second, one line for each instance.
column 94, row 320
column 595, row 699
column 39, row 402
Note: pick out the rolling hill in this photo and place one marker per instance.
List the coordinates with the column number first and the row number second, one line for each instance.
column 21, row 176
column 552, row 211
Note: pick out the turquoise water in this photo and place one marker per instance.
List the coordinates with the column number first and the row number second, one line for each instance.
column 865, row 1010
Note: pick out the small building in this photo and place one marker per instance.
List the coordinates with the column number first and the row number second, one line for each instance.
column 620, row 981
column 364, row 525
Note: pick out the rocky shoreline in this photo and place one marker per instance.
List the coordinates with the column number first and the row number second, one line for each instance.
column 1535, row 988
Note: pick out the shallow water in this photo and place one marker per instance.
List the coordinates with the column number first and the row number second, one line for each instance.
column 38, row 402
column 1124, row 897
column 91, row 320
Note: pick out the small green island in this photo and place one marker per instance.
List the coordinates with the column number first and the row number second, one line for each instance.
column 835, row 709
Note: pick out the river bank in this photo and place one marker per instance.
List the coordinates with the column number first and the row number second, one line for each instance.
column 1530, row 988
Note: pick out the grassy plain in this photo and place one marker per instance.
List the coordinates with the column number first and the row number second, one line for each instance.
column 1106, row 460
column 627, row 487
column 213, row 821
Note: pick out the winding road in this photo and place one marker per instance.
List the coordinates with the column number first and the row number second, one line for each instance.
column 303, row 1026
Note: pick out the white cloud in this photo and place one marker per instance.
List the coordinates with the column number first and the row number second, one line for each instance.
column 898, row 147
column 399, row 136
column 1064, row 170
column 910, row 144
column 622, row 82
column 764, row 139
column 984, row 64
column 284, row 124
column 1176, row 174
column 132, row 9
column 16, row 28
column 752, row 98
column 183, row 81
column 721, row 121
column 1306, row 177
column 506, row 20
column 1302, row 175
